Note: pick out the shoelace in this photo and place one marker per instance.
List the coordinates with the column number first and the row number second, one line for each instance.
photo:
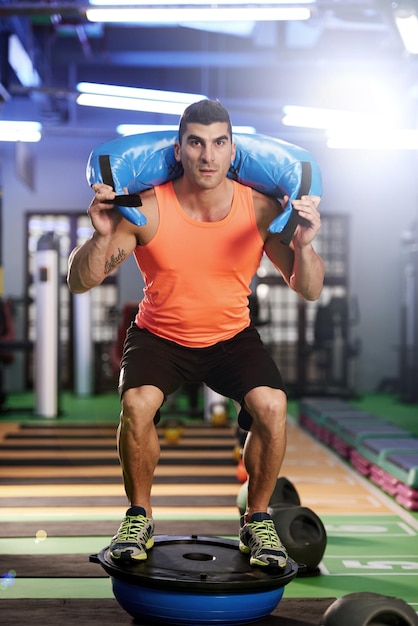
column 266, row 531
column 130, row 528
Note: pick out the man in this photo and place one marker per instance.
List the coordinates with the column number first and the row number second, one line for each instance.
column 203, row 241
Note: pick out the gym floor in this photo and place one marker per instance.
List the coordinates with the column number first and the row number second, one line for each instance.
column 62, row 498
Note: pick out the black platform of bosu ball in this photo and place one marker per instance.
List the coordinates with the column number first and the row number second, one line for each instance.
column 196, row 580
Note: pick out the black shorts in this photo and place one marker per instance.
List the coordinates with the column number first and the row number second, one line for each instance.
column 231, row 368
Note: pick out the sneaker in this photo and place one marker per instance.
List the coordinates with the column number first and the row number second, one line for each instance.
column 134, row 536
column 259, row 538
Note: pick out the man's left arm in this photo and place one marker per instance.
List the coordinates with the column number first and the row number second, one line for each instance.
column 302, row 268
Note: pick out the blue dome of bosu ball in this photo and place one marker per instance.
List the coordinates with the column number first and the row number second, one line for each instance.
column 198, row 581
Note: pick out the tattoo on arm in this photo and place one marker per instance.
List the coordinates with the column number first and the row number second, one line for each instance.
column 114, row 260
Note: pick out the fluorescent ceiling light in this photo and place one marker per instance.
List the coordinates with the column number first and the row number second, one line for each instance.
column 135, row 99
column 139, row 93
column 21, row 63
column 129, row 104
column 135, row 129
column 408, row 30
column 312, row 117
column 164, row 3
column 20, row 131
column 174, row 15
column 373, row 139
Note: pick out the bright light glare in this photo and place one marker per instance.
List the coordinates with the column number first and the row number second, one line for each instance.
column 311, row 117
column 20, row 131
column 352, row 130
column 174, row 15
column 408, row 30
column 373, row 139
column 136, row 129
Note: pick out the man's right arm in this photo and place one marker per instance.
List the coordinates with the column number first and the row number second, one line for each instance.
column 112, row 242
column 89, row 264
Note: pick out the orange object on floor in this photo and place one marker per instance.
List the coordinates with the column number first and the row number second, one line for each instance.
column 241, row 472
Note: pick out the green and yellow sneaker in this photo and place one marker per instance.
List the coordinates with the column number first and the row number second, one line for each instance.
column 134, row 536
column 259, row 538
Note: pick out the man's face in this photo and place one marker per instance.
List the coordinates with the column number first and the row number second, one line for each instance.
column 206, row 152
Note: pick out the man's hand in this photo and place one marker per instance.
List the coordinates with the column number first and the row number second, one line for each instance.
column 103, row 214
column 307, row 208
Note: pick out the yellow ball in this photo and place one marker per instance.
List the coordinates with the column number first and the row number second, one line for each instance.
column 172, row 431
column 237, row 453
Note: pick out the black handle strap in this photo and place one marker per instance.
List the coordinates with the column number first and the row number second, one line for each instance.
column 294, row 218
column 130, row 199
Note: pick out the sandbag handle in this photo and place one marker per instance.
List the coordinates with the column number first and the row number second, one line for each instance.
column 132, row 200
column 129, row 200
column 294, row 219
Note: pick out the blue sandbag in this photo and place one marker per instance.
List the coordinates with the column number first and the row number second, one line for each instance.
column 271, row 166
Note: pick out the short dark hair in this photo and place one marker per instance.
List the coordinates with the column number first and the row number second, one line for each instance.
column 204, row 112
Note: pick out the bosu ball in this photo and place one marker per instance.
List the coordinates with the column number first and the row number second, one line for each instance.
column 369, row 609
column 196, row 580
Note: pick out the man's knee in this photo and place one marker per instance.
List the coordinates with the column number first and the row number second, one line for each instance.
column 141, row 402
column 267, row 405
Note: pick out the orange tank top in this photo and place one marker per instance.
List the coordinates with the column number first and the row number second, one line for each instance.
column 197, row 274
